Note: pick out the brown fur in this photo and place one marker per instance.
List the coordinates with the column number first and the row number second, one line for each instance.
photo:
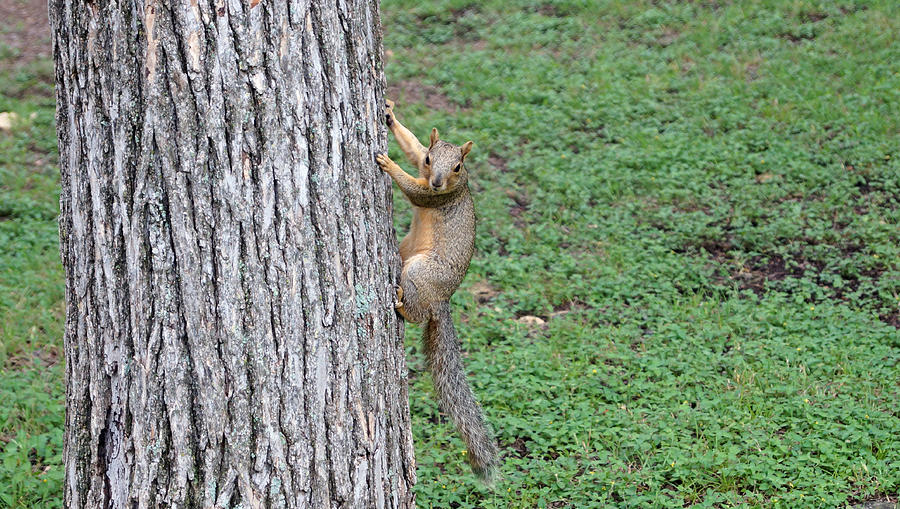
column 421, row 233
column 436, row 255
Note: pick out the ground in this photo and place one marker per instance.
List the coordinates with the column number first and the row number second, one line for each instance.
column 687, row 282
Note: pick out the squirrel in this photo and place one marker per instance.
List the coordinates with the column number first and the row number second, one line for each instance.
column 435, row 255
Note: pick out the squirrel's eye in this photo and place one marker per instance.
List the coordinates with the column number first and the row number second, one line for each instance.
column 427, row 161
column 457, row 167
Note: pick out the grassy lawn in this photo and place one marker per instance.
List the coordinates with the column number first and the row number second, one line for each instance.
column 687, row 284
column 32, row 310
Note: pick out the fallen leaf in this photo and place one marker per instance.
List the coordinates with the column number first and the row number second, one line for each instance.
column 7, row 119
column 530, row 320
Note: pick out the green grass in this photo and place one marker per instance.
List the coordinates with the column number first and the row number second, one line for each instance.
column 31, row 292
column 701, row 200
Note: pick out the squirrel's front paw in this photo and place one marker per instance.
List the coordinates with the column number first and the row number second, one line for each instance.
column 385, row 162
column 389, row 112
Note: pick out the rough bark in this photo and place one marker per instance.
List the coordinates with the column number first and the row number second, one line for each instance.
column 230, row 336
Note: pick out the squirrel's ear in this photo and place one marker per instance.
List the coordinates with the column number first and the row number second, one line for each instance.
column 434, row 136
column 467, row 146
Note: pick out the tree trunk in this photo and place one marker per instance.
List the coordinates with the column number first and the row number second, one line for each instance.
column 230, row 261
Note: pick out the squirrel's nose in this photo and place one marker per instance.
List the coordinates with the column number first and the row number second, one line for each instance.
column 436, row 182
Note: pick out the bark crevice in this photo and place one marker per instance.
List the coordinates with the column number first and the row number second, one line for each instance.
column 229, row 255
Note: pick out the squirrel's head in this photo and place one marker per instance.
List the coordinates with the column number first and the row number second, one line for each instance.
column 444, row 165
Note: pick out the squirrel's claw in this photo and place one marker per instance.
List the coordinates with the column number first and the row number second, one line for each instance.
column 399, row 302
column 384, row 162
column 389, row 112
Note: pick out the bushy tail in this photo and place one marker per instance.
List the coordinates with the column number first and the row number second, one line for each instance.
column 455, row 395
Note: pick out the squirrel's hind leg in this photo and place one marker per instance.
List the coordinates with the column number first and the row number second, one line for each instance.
column 411, row 306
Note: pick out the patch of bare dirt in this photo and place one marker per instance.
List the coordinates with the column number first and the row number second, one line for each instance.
column 752, row 275
column 414, row 91
column 549, row 10
column 47, row 356
column 759, row 269
column 519, row 207
column 797, row 37
column 852, row 9
column 751, row 71
column 669, row 36
column 755, row 273
column 877, row 503
column 25, row 28
column 593, row 130
column 892, row 319
column 483, row 291
column 517, row 448
column 477, row 45
column 498, row 162
column 566, row 308
column 468, row 10
column 813, row 17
